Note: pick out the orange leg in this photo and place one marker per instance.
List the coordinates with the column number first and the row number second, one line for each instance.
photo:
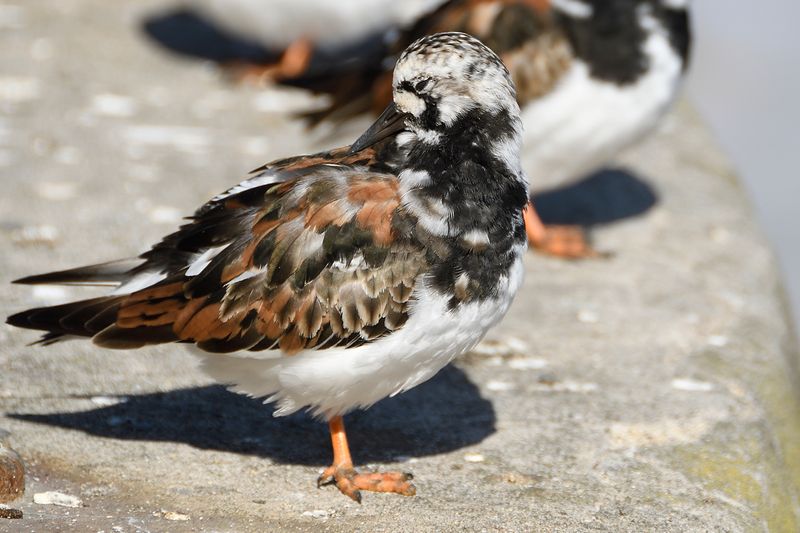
column 568, row 242
column 351, row 483
column 293, row 62
column 296, row 58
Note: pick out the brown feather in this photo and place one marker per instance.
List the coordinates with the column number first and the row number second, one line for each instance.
column 201, row 323
column 324, row 268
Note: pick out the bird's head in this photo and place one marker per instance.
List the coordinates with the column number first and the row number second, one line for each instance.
column 441, row 78
column 440, row 81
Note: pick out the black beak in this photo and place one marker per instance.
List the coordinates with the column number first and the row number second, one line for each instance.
column 390, row 122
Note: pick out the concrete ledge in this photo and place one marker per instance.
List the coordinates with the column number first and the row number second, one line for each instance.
column 655, row 390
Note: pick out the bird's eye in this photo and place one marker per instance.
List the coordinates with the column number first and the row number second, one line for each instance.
column 421, row 85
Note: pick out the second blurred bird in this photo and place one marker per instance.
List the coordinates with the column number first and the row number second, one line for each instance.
column 592, row 76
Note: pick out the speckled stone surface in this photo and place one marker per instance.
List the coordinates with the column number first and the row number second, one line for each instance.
column 653, row 390
column 12, row 472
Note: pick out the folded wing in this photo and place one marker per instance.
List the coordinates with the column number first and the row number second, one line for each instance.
column 302, row 255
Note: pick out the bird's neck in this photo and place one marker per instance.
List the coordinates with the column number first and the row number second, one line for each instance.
column 463, row 198
column 469, row 180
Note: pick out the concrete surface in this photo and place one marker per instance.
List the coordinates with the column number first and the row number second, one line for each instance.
column 652, row 391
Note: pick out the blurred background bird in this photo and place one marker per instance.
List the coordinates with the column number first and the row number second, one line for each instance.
column 593, row 76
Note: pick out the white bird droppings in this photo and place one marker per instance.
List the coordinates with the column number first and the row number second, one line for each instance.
column 718, row 341
column 691, row 385
column 528, row 363
column 106, row 401
column 499, row 386
column 57, row 498
column 114, row 105
column 164, row 214
column 474, row 458
column 176, row 517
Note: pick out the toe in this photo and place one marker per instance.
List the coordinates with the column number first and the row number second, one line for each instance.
column 327, row 477
column 396, row 482
column 351, row 483
column 347, row 487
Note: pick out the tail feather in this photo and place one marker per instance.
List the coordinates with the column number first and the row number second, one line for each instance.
column 111, row 273
column 82, row 318
column 117, row 338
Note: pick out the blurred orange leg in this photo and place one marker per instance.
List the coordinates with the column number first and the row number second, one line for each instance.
column 293, row 63
column 568, row 242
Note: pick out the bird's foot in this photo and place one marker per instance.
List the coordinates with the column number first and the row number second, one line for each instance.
column 566, row 242
column 351, row 483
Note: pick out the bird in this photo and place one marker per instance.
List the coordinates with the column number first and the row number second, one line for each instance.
column 593, row 77
column 327, row 282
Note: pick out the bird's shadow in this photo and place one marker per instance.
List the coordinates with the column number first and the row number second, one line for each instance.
column 607, row 196
column 444, row 414
column 188, row 33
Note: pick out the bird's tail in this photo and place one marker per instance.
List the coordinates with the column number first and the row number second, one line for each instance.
column 83, row 318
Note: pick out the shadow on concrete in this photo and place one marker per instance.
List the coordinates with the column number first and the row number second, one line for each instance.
column 604, row 197
column 187, row 33
column 441, row 415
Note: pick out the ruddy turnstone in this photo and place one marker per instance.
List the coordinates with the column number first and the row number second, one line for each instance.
column 331, row 281
column 592, row 78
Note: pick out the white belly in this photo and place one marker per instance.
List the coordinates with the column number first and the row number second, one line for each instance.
column 583, row 123
column 334, row 381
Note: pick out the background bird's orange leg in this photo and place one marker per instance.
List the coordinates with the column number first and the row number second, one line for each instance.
column 296, row 58
column 568, row 242
column 293, row 63
column 350, row 482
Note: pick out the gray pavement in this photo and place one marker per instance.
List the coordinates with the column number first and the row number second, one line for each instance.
column 654, row 390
